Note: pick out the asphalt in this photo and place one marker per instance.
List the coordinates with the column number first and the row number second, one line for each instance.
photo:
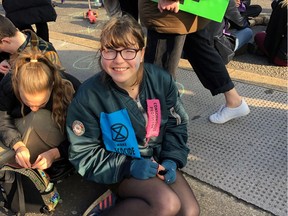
column 77, row 42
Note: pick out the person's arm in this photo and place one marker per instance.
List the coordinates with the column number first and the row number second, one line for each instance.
column 246, row 2
column 233, row 15
column 9, row 134
column 87, row 152
column 174, row 145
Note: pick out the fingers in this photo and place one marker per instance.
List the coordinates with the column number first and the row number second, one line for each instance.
column 159, row 175
column 153, row 168
column 22, row 157
column 4, row 67
column 40, row 163
column 168, row 5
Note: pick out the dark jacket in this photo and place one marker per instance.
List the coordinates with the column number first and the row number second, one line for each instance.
column 10, row 109
column 276, row 33
column 28, row 12
column 87, row 151
column 33, row 40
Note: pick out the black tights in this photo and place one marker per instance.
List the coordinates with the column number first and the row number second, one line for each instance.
column 155, row 197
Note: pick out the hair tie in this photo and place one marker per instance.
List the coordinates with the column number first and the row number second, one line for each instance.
column 33, row 60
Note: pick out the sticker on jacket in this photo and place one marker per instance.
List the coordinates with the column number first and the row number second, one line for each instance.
column 154, row 118
column 118, row 133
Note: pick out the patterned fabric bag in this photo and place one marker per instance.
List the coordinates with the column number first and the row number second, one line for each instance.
column 27, row 190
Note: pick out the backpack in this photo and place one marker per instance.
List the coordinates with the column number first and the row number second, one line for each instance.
column 224, row 44
column 27, row 190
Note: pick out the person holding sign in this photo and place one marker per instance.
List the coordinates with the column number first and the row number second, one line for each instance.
column 170, row 32
column 128, row 128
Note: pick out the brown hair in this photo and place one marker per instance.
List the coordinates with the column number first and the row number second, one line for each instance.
column 123, row 31
column 33, row 71
column 7, row 28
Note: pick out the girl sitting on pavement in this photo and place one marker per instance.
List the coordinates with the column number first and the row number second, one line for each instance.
column 128, row 130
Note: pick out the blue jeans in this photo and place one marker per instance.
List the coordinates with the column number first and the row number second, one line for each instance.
column 165, row 51
column 243, row 36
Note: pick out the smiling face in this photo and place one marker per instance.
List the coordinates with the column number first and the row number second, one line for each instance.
column 123, row 72
column 126, row 35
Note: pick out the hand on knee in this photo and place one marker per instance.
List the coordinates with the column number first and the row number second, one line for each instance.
column 170, row 167
column 143, row 168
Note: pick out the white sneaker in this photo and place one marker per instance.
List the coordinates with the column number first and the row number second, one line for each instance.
column 225, row 114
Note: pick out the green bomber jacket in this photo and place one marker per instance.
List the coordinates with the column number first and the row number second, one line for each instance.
column 87, row 151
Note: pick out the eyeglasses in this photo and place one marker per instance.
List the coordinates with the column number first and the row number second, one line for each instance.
column 126, row 54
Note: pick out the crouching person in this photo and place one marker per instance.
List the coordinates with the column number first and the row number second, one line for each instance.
column 33, row 105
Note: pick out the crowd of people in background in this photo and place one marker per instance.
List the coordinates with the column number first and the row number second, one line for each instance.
column 136, row 70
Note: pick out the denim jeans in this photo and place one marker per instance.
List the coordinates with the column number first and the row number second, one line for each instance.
column 165, row 50
column 243, row 36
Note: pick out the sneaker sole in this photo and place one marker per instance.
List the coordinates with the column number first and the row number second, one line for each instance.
column 96, row 202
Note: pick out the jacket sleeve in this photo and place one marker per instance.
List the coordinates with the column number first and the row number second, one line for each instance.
column 246, row 2
column 233, row 15
column 175, row 136
column 4, row 56
column 9, row 134
column 87, row 152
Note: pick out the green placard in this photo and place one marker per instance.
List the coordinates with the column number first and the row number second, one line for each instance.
column 210, row 9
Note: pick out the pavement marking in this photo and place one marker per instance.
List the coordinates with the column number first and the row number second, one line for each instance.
column 249, row 77
column 94, row 44
column 237, row 75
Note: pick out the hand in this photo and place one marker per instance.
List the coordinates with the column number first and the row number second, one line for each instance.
column 171, row 167
column 238, row 2
column 159, row 174
column 143, row 168
column 46, row 159
column 4, row 67
column 168, row 5
column 22, row 156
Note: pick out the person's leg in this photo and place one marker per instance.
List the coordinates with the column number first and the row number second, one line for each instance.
column 243, row 36
column 259, row 39
column 23, row 27
column 252, row 11
column 145, row 197
column 213, row 74
column 39, row 132
column 42, row 31
column 207, row 63
column 130, row 7
column 112, row 7
column 189, row 204
column 164, row 50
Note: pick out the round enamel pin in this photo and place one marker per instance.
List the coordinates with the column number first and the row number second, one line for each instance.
column 78, row 128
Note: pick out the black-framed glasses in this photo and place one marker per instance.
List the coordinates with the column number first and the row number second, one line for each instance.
column 126, row 54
